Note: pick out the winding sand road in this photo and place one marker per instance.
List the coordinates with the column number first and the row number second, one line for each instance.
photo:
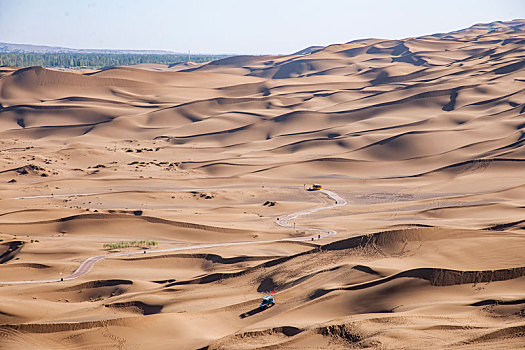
column 283, row 221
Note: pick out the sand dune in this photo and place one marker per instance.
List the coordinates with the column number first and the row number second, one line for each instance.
column 423, row 137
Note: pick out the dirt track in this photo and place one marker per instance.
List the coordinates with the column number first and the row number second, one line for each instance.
column 284, row 221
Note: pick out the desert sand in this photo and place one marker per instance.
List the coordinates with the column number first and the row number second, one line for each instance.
column 422, row 139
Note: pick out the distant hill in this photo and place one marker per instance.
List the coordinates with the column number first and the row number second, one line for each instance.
column 27, row 48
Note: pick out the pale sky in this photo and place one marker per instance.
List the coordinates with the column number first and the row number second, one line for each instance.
column 236, row 26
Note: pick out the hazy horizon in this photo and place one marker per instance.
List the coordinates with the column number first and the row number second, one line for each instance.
column 233, row 27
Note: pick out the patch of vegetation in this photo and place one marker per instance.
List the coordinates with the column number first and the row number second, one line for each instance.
column 131, row 244
column 94, row 60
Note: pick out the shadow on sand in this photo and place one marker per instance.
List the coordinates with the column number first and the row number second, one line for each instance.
column 251, row 312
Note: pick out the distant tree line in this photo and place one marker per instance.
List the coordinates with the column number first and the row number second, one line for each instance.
column 94, row 60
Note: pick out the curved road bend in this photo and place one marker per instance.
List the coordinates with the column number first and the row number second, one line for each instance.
column 283, row 221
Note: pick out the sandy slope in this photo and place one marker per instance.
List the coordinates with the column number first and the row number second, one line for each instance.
column 423, row 137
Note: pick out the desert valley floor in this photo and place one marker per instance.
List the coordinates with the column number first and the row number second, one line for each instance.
column 422, row 138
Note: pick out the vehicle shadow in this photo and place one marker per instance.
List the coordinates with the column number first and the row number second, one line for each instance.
column 251, row 312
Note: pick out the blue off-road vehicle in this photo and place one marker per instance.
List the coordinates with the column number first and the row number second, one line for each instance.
column 267, row 302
